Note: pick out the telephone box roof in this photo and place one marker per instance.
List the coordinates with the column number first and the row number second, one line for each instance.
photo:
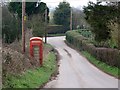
column 35, row 38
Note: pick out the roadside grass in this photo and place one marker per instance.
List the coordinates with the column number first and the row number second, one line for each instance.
column 34, row 78
column 114, row 71
column 48, row 46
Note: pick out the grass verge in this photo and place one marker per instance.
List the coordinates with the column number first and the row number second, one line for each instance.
column 113, row 71
column 101, row 65
column 34, row 78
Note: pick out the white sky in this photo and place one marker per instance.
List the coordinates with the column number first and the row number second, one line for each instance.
column 73, row 3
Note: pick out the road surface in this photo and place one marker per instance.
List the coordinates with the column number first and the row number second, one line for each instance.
column 75, row 71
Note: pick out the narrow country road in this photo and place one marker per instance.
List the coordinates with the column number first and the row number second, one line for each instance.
column 75, row 71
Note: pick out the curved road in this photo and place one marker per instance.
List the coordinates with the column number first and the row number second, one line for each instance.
column 75, row 71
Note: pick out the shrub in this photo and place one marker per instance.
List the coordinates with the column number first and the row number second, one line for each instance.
column 56, row 29
column 38, row 26
column 11, row 26
column 107, row 55
column 86, row 33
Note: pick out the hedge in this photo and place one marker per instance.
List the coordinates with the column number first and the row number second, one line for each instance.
column 56, row 29
column 107, row 55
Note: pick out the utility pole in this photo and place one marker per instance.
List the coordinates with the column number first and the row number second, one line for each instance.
column 23, row 26
column 71, row 19
column 118, row 25
column 46, row 25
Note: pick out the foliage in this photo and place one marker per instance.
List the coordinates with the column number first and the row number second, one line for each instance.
column 31, row 8
column 33, row 78
column 62, row 14
column 90, row 36
column 78, row 19
column 0, row 23
column 101, row 65
column 10, row 26
column 56, row 29
column 16, row 8
column 114, row 35
column 55, row 35
column 36, row 15
column 98, row 16
column 107, row 55
column 37, row 25
column 86, row 33
column 38, row 21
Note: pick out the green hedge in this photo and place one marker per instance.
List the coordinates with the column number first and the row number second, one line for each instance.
column 107, row 55
column 86, row 33
column 56, row 29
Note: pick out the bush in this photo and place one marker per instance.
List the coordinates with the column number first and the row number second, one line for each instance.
column 56, row 29
column 11, row 26
column 107, row 55
column 86, row 33
column 38, row 26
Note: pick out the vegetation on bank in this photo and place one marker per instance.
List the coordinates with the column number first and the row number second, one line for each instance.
column 103, row 24
column 54, row 35
column 110, row 57
column 112, row 70
column 33, row 78
column 56, row 29
column 90, row 36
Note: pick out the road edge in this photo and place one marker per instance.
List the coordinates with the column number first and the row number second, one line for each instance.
column 71, row 46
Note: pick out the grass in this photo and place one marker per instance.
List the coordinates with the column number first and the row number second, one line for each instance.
column 33, row 78
column 101, row 65
column 71, row 37
column 48, row 46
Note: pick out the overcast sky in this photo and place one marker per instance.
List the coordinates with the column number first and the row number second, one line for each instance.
column 73, row 3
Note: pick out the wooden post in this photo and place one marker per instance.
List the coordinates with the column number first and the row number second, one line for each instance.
column 46, row 25
column 23, row 26
column 71, row 19
column 119, row 26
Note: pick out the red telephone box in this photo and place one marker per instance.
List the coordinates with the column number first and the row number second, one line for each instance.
column 36, row 41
